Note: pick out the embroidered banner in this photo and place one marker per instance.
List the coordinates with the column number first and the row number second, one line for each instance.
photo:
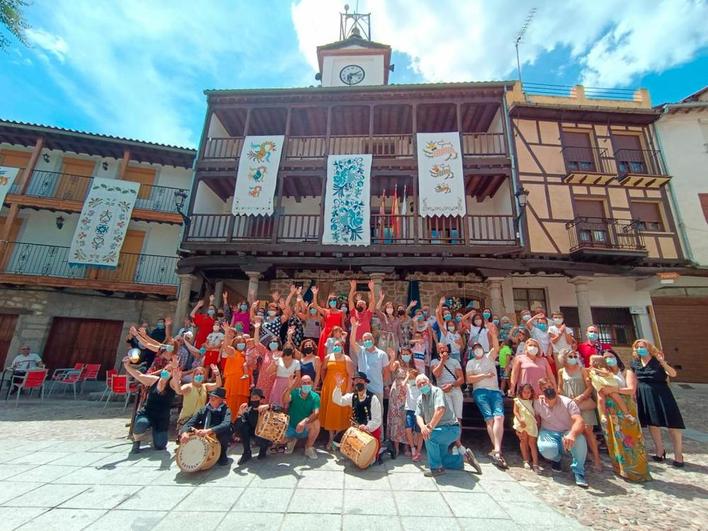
column 441, row 184
column 257, row 176
column 103, row 222
column 7, row 179
column 347, row 212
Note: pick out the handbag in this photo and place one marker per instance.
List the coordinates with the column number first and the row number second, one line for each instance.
column 463, row 386
column 587, row 404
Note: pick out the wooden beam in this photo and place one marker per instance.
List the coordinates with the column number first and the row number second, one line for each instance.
column 128, row 287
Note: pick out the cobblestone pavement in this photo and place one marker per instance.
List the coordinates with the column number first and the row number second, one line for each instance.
column 65, row 465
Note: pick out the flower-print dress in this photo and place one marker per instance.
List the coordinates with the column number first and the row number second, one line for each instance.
column 396, row 419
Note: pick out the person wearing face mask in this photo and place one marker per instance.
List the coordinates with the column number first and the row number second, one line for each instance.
column 593, row 346
column 449, row 334
column 194, row 394
column 309, row 362
column 203, row 321
column 625, row 440
column 310, row 317
column 561, row 336
column 337, row 365
column 529, row 368
column 245, row 425
column 440, row 429
column 240, row 315
column 538, row 329
column 303, row 406
column 561, row 430
column 269, row 354
column 370, row 360
column 236, row 371
column 396, row 418
column 574, row 382
column 505, row 327
column 155, row 412
column 333, row 317
column 481, row 373
column 359, row 309
column 284, row 368
column 480, row 331
column 649, row 373
column 213, row 345
column 214, row 419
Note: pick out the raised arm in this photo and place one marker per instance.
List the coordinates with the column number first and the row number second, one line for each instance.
column 372, row 294
column 659, row 355
column 145, row 379
column 168, row 327
column 217, row 380
column 292, row 384
column 350, row 298
column 196, row 308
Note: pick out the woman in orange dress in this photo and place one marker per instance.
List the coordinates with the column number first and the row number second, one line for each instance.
column 332, row 317
column 236, row 374
column 337, row 365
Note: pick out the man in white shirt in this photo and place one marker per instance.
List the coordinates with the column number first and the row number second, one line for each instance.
column 371, row 360
column 561, row 335
column 26, row 360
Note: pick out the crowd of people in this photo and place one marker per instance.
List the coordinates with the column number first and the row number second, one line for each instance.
column 400, row 372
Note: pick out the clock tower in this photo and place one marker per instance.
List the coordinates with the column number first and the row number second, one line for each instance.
column 354, row 60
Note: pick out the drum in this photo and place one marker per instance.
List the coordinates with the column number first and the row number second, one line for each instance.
column 359, row 446
column 272, row 425
column 198, row 453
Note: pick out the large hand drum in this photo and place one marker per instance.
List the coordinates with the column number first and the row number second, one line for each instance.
column 359, row 446
column 198, row 453
column 272, row 425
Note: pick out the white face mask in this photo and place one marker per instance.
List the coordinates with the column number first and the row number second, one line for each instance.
column 558, row 321
column 532, row 350
column 478, row 352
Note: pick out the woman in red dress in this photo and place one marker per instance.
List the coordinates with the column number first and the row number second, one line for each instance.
column 332, row 317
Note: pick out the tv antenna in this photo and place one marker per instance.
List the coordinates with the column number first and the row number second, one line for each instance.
column 520, row 37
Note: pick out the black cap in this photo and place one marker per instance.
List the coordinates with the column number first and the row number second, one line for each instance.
column 257, row 392
column 219, row 392
column 361, row 375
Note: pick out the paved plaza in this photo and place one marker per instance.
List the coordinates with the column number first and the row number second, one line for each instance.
column 65, row 465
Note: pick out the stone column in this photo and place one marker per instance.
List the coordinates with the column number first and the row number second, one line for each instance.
column 253, row 278
column 496, row 302
column 183, row 295
column 218, row 291
column 377, row 278
column 582, row 293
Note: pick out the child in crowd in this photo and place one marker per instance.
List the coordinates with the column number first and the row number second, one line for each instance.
column 604, row 380
column 418, row 349
column 415, row 441
column 526, row 427
column 506, row 354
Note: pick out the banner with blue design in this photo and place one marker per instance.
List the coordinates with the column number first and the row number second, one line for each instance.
column 348, row 200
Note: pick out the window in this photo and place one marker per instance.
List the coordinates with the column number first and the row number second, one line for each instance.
column 648, row 214
column 703, row 198
column 577, row 151
column 616, row 325
column 529, row 299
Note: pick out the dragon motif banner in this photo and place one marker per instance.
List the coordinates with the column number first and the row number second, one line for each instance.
column 441, row 183
column 7, row 179
column 257, row 176
column 103, row 223
column 347, row 212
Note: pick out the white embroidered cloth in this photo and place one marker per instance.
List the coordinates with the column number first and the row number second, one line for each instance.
column 7, row 179
column 257, row 175
column 441, row 184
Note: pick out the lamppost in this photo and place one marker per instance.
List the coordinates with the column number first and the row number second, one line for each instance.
column 180, row 198
column 522, row 198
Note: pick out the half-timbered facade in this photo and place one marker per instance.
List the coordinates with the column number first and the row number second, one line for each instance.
column 77, row 312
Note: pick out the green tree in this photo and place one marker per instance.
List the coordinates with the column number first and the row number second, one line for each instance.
column 12, row 22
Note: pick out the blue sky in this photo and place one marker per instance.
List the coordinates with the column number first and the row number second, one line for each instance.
column 138, row 68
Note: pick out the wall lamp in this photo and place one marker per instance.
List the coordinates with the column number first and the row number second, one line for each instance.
column 180, row 198
column 46, row 157
column 522, row 197
column 60, row 222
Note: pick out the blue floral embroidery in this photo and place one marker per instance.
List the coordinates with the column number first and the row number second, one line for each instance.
column 347, row 218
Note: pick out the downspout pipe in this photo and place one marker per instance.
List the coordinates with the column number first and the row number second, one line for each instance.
column 515, row 181
column 672, row 197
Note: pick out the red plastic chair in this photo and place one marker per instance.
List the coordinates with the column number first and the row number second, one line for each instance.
column 90, row 373
column 119, row 386
column 33, row 379
column 110, row 373
column 66, row 377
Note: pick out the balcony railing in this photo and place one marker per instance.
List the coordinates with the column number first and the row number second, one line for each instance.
column 604, row 234
column 385, row 146
column 586, row 160
column 385, row 230
column 68, row 187
column 639, row 161
column 34, row 259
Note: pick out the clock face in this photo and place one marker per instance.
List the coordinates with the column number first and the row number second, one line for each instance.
column 351, row 75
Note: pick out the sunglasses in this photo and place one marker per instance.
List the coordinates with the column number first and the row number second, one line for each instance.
column 575, row 357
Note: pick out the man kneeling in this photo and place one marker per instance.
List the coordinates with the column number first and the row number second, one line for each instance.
column 303, row 408
column 213, row 419
column 246, row 423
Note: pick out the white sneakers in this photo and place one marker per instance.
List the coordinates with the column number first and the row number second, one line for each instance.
column 310, row 453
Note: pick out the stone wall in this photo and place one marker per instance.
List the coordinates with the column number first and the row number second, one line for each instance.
column 36, row 309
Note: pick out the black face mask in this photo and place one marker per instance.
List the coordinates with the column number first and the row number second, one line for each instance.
column 287, row 352
column 254, row 403
column 401, row 312
column 308, row 350
column 360, row 386
column 549, row 393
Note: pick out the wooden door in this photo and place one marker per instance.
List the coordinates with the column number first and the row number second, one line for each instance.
column 144, row 176
column 74, row 341
column 577, row 151
column 681, row 322
column 11, row 238
column 128, row 260
column 592, row 227
column 8, row 321
column 629, row 154
column 74, row 180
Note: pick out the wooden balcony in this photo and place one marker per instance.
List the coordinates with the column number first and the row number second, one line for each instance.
column 606, row 240
column 641, row 168
column 383, row 146
column 401, row 234
column 587, row 165
column 48, row 265
column 67, row 192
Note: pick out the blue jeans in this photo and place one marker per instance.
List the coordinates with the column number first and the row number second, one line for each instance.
column 437, row 448
column 159, row 430
column 550, row 445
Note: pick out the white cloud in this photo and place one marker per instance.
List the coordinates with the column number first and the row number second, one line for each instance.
column 53, row 44
column 451, row 40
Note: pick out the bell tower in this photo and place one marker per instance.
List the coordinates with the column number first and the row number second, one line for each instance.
column 354, row 60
